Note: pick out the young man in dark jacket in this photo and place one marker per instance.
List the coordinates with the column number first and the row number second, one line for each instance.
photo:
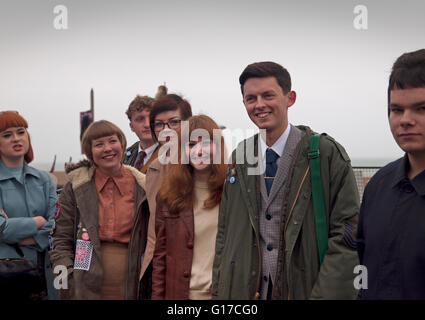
column 266, row 240
column 144, row 151
column 392, row 216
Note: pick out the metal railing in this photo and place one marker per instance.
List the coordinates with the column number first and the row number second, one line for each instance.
column 363, row 175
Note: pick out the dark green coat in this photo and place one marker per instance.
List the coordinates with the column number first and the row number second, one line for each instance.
column 237, row 263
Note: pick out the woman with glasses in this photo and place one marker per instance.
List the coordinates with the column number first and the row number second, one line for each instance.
column 101, row 230
column 165, row 119
column 27, row 201
column 187, row 215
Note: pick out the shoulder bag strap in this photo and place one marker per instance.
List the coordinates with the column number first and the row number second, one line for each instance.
column 318, row 198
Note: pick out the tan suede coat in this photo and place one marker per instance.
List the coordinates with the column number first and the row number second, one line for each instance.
column 78, row 204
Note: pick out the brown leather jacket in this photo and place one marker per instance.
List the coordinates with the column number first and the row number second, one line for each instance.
column 172, row 260
column 79, row 197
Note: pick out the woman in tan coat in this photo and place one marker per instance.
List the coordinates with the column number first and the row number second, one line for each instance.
column 101, row 229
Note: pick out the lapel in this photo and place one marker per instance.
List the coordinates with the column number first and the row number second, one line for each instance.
column 152, row 158
column 189, row 223
column 131, row 159
column 248, row 182
column 86, row 198
column 283, row 167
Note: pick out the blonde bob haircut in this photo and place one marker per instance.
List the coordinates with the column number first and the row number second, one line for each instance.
column 100, row 129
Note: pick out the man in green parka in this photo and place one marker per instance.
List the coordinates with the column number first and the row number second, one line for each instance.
column 266, row 245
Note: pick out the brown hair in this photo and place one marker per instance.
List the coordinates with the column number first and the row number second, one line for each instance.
column 138, row 104
column 408, row 72
column 99, row 129
column 10, row 119
column 177, row 188
column 267, row 69
column 169, row 102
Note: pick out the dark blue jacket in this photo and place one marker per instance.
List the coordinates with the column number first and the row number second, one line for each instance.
column 391, row 234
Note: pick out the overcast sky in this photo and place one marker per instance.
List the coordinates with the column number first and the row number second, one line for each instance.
column 199, row 48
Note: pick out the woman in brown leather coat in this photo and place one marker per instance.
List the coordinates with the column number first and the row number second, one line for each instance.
column 187, row 215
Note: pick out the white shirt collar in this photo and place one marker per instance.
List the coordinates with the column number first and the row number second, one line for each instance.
column 149, row 151
column 278, row 146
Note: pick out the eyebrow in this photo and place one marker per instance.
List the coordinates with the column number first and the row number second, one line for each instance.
column 416, row 104
column 172, row 118
column 8, row 130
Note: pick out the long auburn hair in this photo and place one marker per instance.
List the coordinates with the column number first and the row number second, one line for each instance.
column 177, row 188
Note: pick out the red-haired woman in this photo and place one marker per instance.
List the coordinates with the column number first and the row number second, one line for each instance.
column 27, row 201
column 187, row 215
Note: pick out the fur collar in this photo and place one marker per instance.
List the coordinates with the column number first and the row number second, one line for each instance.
column 83, row 171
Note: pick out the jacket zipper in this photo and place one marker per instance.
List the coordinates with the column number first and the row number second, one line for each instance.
column 289, row 216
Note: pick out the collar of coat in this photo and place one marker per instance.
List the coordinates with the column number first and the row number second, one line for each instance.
column 83, row 171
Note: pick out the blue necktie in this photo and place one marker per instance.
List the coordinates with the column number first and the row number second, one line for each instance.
column 271, row 168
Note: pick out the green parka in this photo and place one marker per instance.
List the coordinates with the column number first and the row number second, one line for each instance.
column 237, row 263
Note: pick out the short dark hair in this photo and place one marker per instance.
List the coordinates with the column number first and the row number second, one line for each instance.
column 169, row 102
column 267, row 69
column 408, row 72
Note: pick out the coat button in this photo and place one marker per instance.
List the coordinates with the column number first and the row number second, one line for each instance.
column 270, row 247
column 295, row 222
column 186, row 274
column 268, row 217
column 190, row 245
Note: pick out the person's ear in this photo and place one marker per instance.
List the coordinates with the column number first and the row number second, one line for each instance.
column 292, row 97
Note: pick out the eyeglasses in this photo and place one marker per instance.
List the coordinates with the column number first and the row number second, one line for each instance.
column 172, row 124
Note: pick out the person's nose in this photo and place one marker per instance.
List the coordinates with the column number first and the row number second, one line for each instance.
column 407, row 119
column 260, row 103
column 15, row 137
column 107, row 148
column 147, row 124
column 200, row 151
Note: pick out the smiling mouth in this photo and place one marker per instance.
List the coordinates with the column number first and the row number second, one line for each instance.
column 109, row 157
column 262, row 115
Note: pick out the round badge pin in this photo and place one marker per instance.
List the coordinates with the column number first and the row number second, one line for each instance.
column 128, row 153
column 85, row 236
column 232, row 180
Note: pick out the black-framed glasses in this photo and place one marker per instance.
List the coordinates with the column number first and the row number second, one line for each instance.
column 172, row 124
